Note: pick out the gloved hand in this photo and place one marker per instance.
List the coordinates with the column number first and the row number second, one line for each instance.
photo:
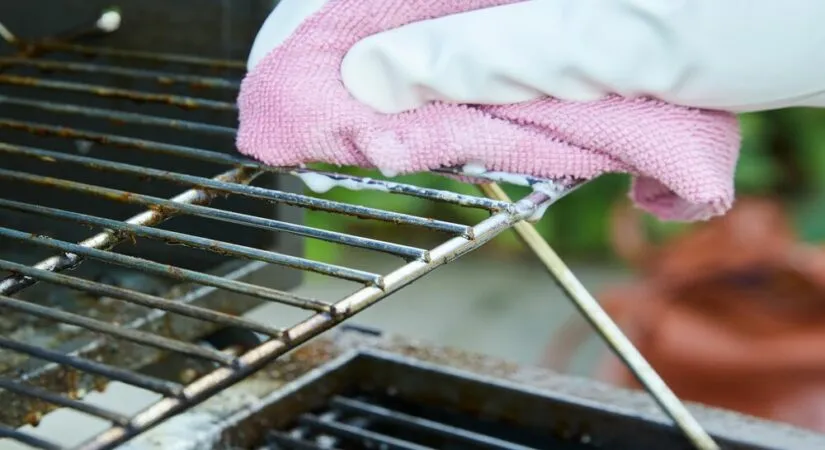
column 736, row 55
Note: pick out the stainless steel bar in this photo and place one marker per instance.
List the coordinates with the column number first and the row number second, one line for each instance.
column 107, row 240
column 408, row 189
column 590, row 308
column 128, row 334
column 25, row 438
column 381, row 414
column 105, row 91
column 210, row 245
column 168, row 271
column 224, row 158
column 105, row 290
column 213, row 382
column 163, row 78
column 159, row 386
column 230, row 216
column 369, row 438
column 119, row 117
column 229, row 248
column 235, row 188
column 133, row 55
column 60, row 400
column 523, row 180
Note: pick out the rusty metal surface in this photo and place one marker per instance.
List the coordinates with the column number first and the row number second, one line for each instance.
column 20, row 409
column 576, row 410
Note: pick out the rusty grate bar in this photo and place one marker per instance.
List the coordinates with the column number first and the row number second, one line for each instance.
column 104, row 91
column 130, row 56
column 160, row 77
column 126, row 376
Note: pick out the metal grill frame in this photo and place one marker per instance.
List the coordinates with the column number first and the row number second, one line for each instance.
column 353, row 359
column 505, row 214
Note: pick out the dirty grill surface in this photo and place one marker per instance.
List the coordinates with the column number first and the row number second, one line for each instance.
column 366, row 421
column 92, row 136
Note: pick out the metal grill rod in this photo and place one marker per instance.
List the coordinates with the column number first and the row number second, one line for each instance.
column 140, row 337
column 172, row 207
column 107, row 240
column 381, row 414
column 210, row 245
column 133, row 55
column 414, row 191
column 219, row 379
column 590, row 308
column 151, row 301
column 230, row 187
column 113, row 373
column 61, row 400
column 369, row 438
column 105, row 91
column 117, row 116
column 163, row 78
column 32, row 441
column 168, row 271
column 219, row 158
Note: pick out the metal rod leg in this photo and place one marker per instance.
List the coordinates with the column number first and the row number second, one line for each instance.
column 607, row 329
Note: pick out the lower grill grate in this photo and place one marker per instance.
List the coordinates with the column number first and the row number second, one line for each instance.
column 361, row 422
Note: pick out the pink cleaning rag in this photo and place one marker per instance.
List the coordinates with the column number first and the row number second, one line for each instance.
column 294, row 109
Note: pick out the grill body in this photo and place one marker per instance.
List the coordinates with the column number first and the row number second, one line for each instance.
column 356, row 389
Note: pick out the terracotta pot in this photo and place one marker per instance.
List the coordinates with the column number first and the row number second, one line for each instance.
column 731, row 314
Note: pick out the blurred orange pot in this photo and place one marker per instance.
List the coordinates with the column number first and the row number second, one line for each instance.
column 731, row 314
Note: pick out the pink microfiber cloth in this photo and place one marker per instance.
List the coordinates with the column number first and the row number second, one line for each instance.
column 294, row 109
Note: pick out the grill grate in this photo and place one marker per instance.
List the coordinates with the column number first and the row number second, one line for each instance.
column 118, row 302
column 371, row 421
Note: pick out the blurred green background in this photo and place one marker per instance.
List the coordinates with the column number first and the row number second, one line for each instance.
column 783, row 154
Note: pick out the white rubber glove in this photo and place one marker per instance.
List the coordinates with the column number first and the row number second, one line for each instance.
column 736, row 55
column 281, row 23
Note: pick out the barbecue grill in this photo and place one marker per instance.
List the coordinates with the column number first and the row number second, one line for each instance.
column 92, row 134
column 355, row 388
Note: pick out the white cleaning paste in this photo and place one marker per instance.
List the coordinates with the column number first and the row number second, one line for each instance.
column 478, row 170
column 320, row 183
column 550, row 188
